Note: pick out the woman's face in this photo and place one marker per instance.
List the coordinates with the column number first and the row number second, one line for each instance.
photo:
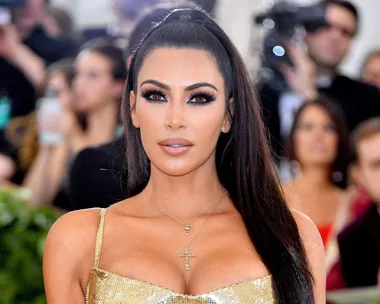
column 180, row 109
column 94, row 84
column 58, row 82
column 315, row 138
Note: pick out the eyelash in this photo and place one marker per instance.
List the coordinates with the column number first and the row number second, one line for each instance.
column 205, row 95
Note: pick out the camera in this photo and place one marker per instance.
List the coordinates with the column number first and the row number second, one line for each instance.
column 286, row 22
column 5, row 9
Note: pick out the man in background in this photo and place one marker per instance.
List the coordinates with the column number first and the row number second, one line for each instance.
column 317, row 73
column 371, row 69
column 359, row 243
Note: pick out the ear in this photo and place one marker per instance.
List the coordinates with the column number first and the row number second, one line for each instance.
column 226, row 127
column 132, row 104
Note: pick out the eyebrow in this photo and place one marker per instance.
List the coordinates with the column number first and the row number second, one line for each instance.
column 188, row 88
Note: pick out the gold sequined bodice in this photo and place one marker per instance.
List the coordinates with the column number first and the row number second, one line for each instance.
column 105, row 287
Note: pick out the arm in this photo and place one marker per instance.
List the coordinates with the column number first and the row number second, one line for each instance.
column 65, row 268
column 15, row 52
column 315, row 253
column 47, row 173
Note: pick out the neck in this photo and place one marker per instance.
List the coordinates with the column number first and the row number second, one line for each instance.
column 325, row 72
column 315, row 178
column 185, row 197
column 101, row 124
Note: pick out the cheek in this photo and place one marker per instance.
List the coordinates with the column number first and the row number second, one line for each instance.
column 332, row 143
column 301, row 139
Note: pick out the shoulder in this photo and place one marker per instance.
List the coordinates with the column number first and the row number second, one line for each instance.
column 357, row 85
column 73, row 237
column 308, row 230
column 360, row 226
column 315, row 253
column 102, row 154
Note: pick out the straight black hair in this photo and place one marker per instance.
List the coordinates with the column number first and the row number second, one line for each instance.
column 243, row 157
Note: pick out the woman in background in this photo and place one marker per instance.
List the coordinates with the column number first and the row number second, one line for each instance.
column 318, row 153
column 97, row 87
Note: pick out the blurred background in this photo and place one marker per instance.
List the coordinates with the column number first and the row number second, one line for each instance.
column 316, row 66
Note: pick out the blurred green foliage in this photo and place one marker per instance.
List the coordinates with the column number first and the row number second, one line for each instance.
column 23, row 231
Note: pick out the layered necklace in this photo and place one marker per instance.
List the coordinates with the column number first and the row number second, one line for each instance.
column 188, row 228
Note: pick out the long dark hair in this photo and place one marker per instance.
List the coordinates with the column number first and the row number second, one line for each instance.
column 243, row 157
column 334, row 111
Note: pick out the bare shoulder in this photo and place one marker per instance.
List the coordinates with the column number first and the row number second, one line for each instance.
column 74, row 228
column 308, row 230
column 72, row 238
column 315, row 253
column 69, row 256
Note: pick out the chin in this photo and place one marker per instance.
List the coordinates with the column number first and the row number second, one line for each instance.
column 175, row 171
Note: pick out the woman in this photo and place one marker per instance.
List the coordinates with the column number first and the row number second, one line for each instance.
column 206, row 221
column 97, row 87
column 318, row 151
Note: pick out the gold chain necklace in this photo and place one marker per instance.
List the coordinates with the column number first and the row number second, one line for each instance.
column 188, row 226
column 187, row 254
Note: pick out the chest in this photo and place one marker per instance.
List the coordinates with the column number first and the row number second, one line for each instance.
column 216, row 256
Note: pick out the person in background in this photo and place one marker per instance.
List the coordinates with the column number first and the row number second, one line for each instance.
column 98, row 85
column 318, row 150
column 25, row 51
column 22, row 132
column 316, row 73
column 59, row 24
column 359, row 243
column 98, row 175
column 371, row 69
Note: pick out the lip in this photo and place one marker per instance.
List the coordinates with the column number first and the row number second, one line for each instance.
column 175, row 146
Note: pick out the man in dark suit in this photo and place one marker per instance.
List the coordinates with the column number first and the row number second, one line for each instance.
column 359, row 243
column 317, row 73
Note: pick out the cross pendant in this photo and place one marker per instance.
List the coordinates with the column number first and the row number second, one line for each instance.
column 187, row 229
column 187, row 255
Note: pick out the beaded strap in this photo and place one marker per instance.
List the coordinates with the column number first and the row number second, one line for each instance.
column 99, row 237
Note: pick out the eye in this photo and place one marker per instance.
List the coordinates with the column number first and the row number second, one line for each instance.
column 153, row 96
column 330, row 128
column 201, row 98
column 305, row 126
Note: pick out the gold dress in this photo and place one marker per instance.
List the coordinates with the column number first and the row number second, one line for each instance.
column 105, row 287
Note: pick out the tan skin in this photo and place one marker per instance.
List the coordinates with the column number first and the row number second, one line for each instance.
column 312, row 191
column 139, row 241
column 371, row 71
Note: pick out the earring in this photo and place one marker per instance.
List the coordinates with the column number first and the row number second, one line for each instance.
column 337, row 177
column 295, row 168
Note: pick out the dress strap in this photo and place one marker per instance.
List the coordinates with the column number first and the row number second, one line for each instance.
column 99, row 236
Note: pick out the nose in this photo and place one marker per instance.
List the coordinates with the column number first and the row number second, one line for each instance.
column 176, row 116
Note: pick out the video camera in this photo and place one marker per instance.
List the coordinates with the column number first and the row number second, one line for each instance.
column 286, row 22
column 5, row 9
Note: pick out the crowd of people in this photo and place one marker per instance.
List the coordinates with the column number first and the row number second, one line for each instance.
column 324, row 129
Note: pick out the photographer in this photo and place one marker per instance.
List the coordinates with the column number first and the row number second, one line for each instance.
column 317, row 73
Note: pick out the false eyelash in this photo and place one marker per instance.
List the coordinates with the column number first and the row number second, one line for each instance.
column 207, row 96
column 146, row 94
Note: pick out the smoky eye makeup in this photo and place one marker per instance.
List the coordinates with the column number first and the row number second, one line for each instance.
column 153, row 95
column 197, row 98
column 201, row 98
